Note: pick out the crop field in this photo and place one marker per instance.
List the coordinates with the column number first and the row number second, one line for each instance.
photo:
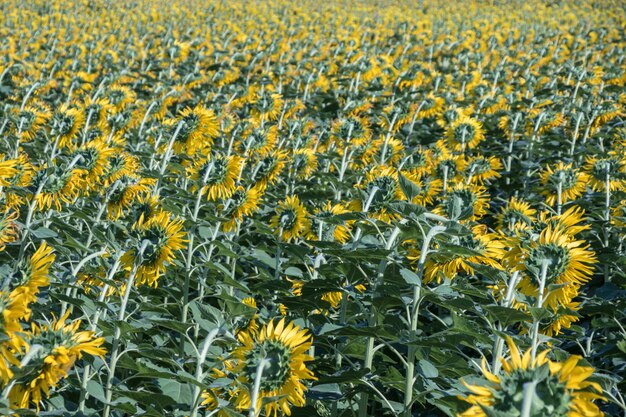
column 313, row 208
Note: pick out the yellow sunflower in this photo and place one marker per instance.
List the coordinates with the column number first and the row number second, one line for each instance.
column 59, row 186
column 569, row 265
column 571, row 181
column 377, row 192
column 217, row 174
column 516, row 215
column 464, row 133
column 290, row 221
column 126, row 191
column 304, row 163
column 66, row 124
column 268, row 168
column 464, row 201
column 62, row 345
column 479, row 169
column 241, row 203
column 324, row 230
column 156, row 240
column 9, row 229
column 560, row 389
column 196, row 129
column 600, row 170
column 277, row 351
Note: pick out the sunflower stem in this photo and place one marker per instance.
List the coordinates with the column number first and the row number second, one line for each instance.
column 527, row 401
column 199, row 374
column 417, row 293
column 499, row 342
column 254, row 398
column 540, row 298
column 115, row 344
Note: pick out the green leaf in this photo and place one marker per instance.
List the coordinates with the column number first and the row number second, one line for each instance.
column 410, row 277
column 44, row 233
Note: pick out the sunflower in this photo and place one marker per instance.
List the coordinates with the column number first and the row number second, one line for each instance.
column 618, row 214
column 322, row 229
column 569, row 265
column 96, row 111
column 66, row 123
column 304, row 163
column 571, row 181
column 241, row 203
column 266, row 104
column 196, row 128
column 59, row 186
column 217, row 175
column 278, row 352
column 120, row 165
column 394, row 151
column 351, row 127
column 516, row 215
column 427, row 186
column 7, row 171
column 259, row 141
column 62, row 345
column 34, row 273
column 571, row 222
column 449, row 116
column 251, row 325
column 479, row 168
column 268, row 168
column 156, row 239
column 29, row 121
column 601, row 169
column 24, row 171
column 94, row 160
column 290, row 221
column 120, row 97
column 481, row 248
column 431, row 106
column 126, row 191
column 9, row 230
column 465, row 132
column 561, row 389
column 464, row 201
column 541, row 120
column 377, row 192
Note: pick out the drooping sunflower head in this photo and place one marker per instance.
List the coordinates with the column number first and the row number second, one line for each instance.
column 290, row 221
column 29, row 121
column 94, row 159
column 61, row 346
column 605, row 171
column 267, row 170
column 66, row 123
column 563, row 178
column 195, row 130
column 479, row 169
column 464, row 133
column 566, row 263
column 559, row 389
column 323, row 228
column 57, row 185
column 304, row 163
column 464, row 201
column 155, row 241
column 278, row 352
column 516, row 215
column 218, row 174
column 243, row 202
column 259, row 141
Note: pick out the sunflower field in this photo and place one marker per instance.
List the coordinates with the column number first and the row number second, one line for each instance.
column 344, row 208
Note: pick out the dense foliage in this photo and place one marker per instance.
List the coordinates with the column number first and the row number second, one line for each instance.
column 346, row 208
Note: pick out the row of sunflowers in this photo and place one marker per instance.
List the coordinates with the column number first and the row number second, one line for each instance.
column 346, row 208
